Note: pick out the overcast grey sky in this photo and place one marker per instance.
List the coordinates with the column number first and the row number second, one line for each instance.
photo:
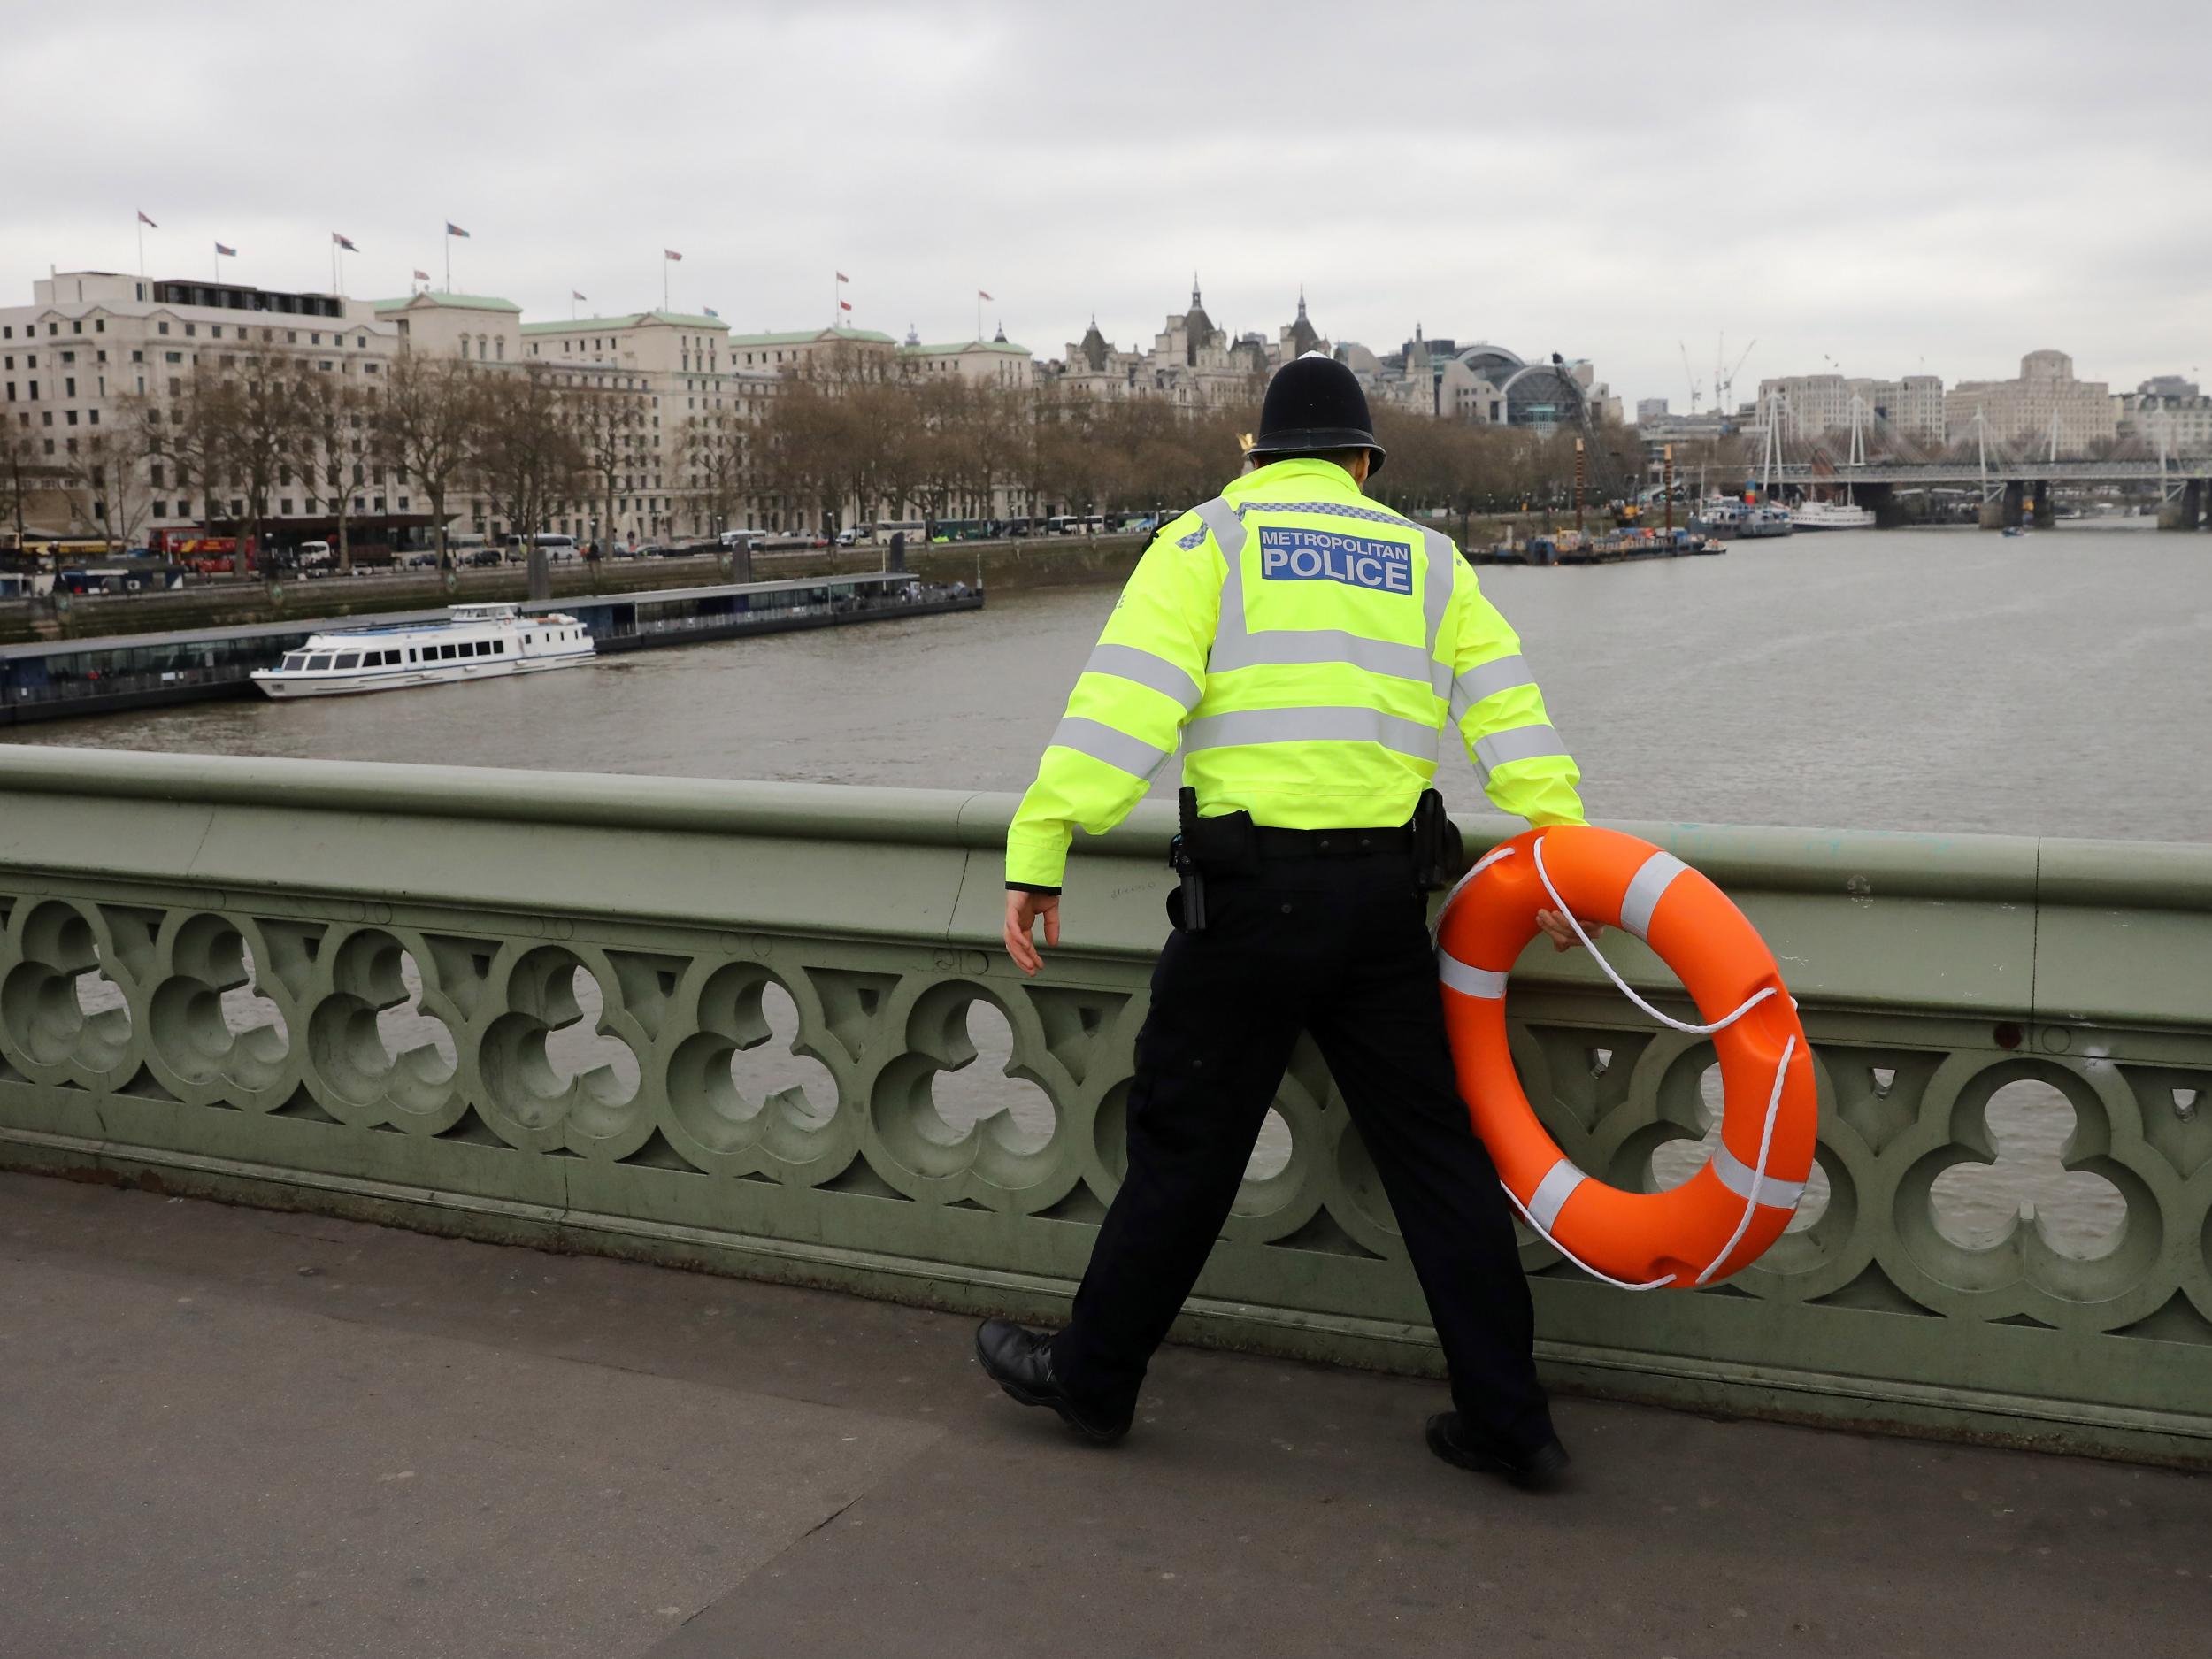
column 1892, row 187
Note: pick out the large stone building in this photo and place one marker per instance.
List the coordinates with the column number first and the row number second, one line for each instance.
column 1811, row 407
column 90, row 338
column 2044, row 405
column 997, row 363
column 2166, row 416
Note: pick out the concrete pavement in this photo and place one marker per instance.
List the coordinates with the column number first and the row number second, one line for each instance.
column 232, row 1432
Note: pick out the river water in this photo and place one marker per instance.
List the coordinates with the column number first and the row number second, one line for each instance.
column 2056, row 684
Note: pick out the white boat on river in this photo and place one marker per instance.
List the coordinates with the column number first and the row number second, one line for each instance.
column 1831, row 515
column 474, row 643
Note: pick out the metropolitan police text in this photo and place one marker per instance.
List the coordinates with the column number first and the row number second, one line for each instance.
column 1307, row 555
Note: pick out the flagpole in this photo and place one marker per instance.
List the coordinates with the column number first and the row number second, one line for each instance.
column 448, row 259
column 664, row 264
column 141, row 249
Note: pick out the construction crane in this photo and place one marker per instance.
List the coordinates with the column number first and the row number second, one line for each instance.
column 1689, row 374
column 1724, row 381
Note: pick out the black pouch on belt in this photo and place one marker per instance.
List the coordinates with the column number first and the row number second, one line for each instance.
column 1225, row 845
column 1440, row 852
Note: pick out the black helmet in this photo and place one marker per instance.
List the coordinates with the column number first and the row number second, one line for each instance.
column 1314, row 405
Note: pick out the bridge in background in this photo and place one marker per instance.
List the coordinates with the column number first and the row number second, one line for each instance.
column 1913, row 474
column 2020, row 490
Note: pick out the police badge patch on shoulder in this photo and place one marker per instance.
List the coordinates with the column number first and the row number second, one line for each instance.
column 1324, row 556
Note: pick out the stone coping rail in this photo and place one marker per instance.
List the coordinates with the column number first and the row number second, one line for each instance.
column 216, row 975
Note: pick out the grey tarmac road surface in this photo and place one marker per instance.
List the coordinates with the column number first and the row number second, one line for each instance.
column 232, row 1432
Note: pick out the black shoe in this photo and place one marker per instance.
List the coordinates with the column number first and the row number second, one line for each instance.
column 1541, row 1470
column 1020, row 1362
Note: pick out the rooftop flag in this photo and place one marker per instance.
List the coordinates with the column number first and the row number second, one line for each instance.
column 573, row 295
column 422, row 276
column 670, row 253
column 342, row 241
column 981, row 294
column 841, row 277
column 226, row 253
column 145, row 220
column 714, row 313
column 844, row 305
column 452, row 229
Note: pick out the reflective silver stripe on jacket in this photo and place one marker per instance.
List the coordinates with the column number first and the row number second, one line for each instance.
column 1519, row 742
column 1128, row 662
column 1553, row 1192
column 1227, row 526
column 1402, row 736
column 1276, row 648
column 1104, row 742
column 1468, row 980
column 1737, row 1176
column 1486, row 679
column 1646, row 888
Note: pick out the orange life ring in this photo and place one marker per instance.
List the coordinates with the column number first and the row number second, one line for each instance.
column 1726, row 1216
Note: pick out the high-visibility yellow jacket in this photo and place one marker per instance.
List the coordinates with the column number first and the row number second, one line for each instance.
column 1308, row 648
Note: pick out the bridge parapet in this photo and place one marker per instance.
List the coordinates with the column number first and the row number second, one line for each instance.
column 210, row 970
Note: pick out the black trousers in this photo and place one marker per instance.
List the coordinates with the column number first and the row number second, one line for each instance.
column 1339, row 947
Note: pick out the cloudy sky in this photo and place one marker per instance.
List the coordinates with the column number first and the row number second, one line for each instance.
column 1887, row 187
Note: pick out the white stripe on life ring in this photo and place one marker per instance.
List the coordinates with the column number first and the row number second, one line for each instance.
column 1740, row 1178
column 1469, row 980
column 1553, row 1192
column 1644, row 893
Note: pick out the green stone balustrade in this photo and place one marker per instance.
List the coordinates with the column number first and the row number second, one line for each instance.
column 202, row 960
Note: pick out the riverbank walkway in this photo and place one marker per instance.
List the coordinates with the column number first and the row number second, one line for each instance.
column 237, row 1433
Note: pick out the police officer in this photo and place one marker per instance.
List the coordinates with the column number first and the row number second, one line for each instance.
column 1310, row 650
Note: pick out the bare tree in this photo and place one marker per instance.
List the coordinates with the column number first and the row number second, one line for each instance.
column 188, row 430
column 713, row 456
column 25, row 471
column 528, row 457
column 337, row 422
column 265, row 405
column 610, row 427
column 427, row 428
column 109, row 468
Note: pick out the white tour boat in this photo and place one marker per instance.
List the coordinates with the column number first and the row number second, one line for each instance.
column 1831, row 515
column 474, row 643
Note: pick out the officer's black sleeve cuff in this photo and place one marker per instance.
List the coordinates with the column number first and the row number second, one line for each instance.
column 1031, row 887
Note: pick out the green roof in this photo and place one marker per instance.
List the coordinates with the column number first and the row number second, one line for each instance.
column 586, row 325
column 1007, row 346
column 809, row 337
column 461, row 301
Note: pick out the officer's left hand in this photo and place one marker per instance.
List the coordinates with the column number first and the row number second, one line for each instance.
column 1562, row 931
column 1023, row 910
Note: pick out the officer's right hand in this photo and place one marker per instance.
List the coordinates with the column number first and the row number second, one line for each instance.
column 1022, row 912
column 1561, row 931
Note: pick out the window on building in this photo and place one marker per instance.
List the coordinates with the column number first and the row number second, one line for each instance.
column 190, row 329
column 161, row 509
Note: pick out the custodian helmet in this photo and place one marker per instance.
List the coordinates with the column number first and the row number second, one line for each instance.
column 1314, row 405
